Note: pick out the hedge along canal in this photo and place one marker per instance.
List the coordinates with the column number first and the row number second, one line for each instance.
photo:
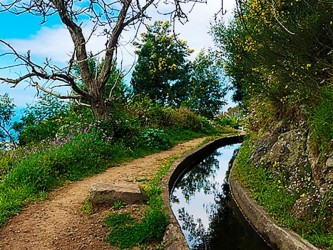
column 201, row 201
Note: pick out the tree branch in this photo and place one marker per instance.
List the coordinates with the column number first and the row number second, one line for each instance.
column 11, row 138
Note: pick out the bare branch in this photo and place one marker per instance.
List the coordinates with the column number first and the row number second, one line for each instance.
column 39, row 72
column 8, row 134
column 82, row 104
column 50, row 92
column 112, row 43
column 278, row 21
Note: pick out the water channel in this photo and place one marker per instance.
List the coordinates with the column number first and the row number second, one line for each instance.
column 205, row 210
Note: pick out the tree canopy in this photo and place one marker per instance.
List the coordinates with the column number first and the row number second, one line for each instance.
column 162, row 69
column 207, row 86
column 165, row 74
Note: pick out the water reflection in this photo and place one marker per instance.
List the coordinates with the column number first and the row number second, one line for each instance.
column 202, row 204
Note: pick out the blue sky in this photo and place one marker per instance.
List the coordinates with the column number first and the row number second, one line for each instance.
column 51, row 40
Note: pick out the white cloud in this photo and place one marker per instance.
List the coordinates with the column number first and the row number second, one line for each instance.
column 51, row 42
column 196, row 30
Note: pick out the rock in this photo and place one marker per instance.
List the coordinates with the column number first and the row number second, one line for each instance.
column 263, row 145
column 289, row 148
column 109, row 193
column 329, row 162
column 172, row 239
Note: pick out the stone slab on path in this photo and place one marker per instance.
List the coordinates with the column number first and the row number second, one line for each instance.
column 102, row 194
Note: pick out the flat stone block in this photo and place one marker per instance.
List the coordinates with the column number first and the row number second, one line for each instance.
column 109, row 193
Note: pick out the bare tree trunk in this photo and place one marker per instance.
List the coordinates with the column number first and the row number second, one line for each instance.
column 100, row 110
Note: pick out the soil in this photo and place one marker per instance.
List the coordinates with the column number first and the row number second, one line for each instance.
column 58, row 223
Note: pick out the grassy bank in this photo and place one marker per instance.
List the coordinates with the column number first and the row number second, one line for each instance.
column 279, row 202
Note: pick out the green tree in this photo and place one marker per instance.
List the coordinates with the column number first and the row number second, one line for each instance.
column 207, row 89
column 41, row 120
column 7, row 112
column 162, row 68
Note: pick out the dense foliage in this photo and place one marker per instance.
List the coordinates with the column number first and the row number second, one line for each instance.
column 41, row 120
column 166, row 75
column 280, row 53
column 207, row 87
column 162, row 69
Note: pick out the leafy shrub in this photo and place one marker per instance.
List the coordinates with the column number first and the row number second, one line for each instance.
column 42, row 120
column 227, row 121
column 126, row 125
column 182, row 118
column 142, row 113
column 155, row 138
column 114, row 220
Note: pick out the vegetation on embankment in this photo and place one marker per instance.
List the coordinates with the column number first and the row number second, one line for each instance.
column 268, row 189
column 279, row 57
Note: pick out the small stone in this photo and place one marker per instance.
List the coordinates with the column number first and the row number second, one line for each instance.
column 329, row 162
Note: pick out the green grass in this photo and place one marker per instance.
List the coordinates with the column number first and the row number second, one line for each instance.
column 321, row 119
column 127, row 232
column 114, row 220
column 278, row 201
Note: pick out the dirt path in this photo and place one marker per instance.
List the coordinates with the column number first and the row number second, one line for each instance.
column 57, row 223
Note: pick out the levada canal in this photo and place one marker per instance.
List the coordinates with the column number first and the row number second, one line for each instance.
column 204, row 208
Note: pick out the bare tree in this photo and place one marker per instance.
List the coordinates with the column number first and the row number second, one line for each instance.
column 109, row 18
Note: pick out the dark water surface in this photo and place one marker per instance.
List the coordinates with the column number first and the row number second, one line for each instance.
column 203, row 206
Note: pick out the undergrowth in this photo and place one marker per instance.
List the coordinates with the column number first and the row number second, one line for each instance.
column 127, row 232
